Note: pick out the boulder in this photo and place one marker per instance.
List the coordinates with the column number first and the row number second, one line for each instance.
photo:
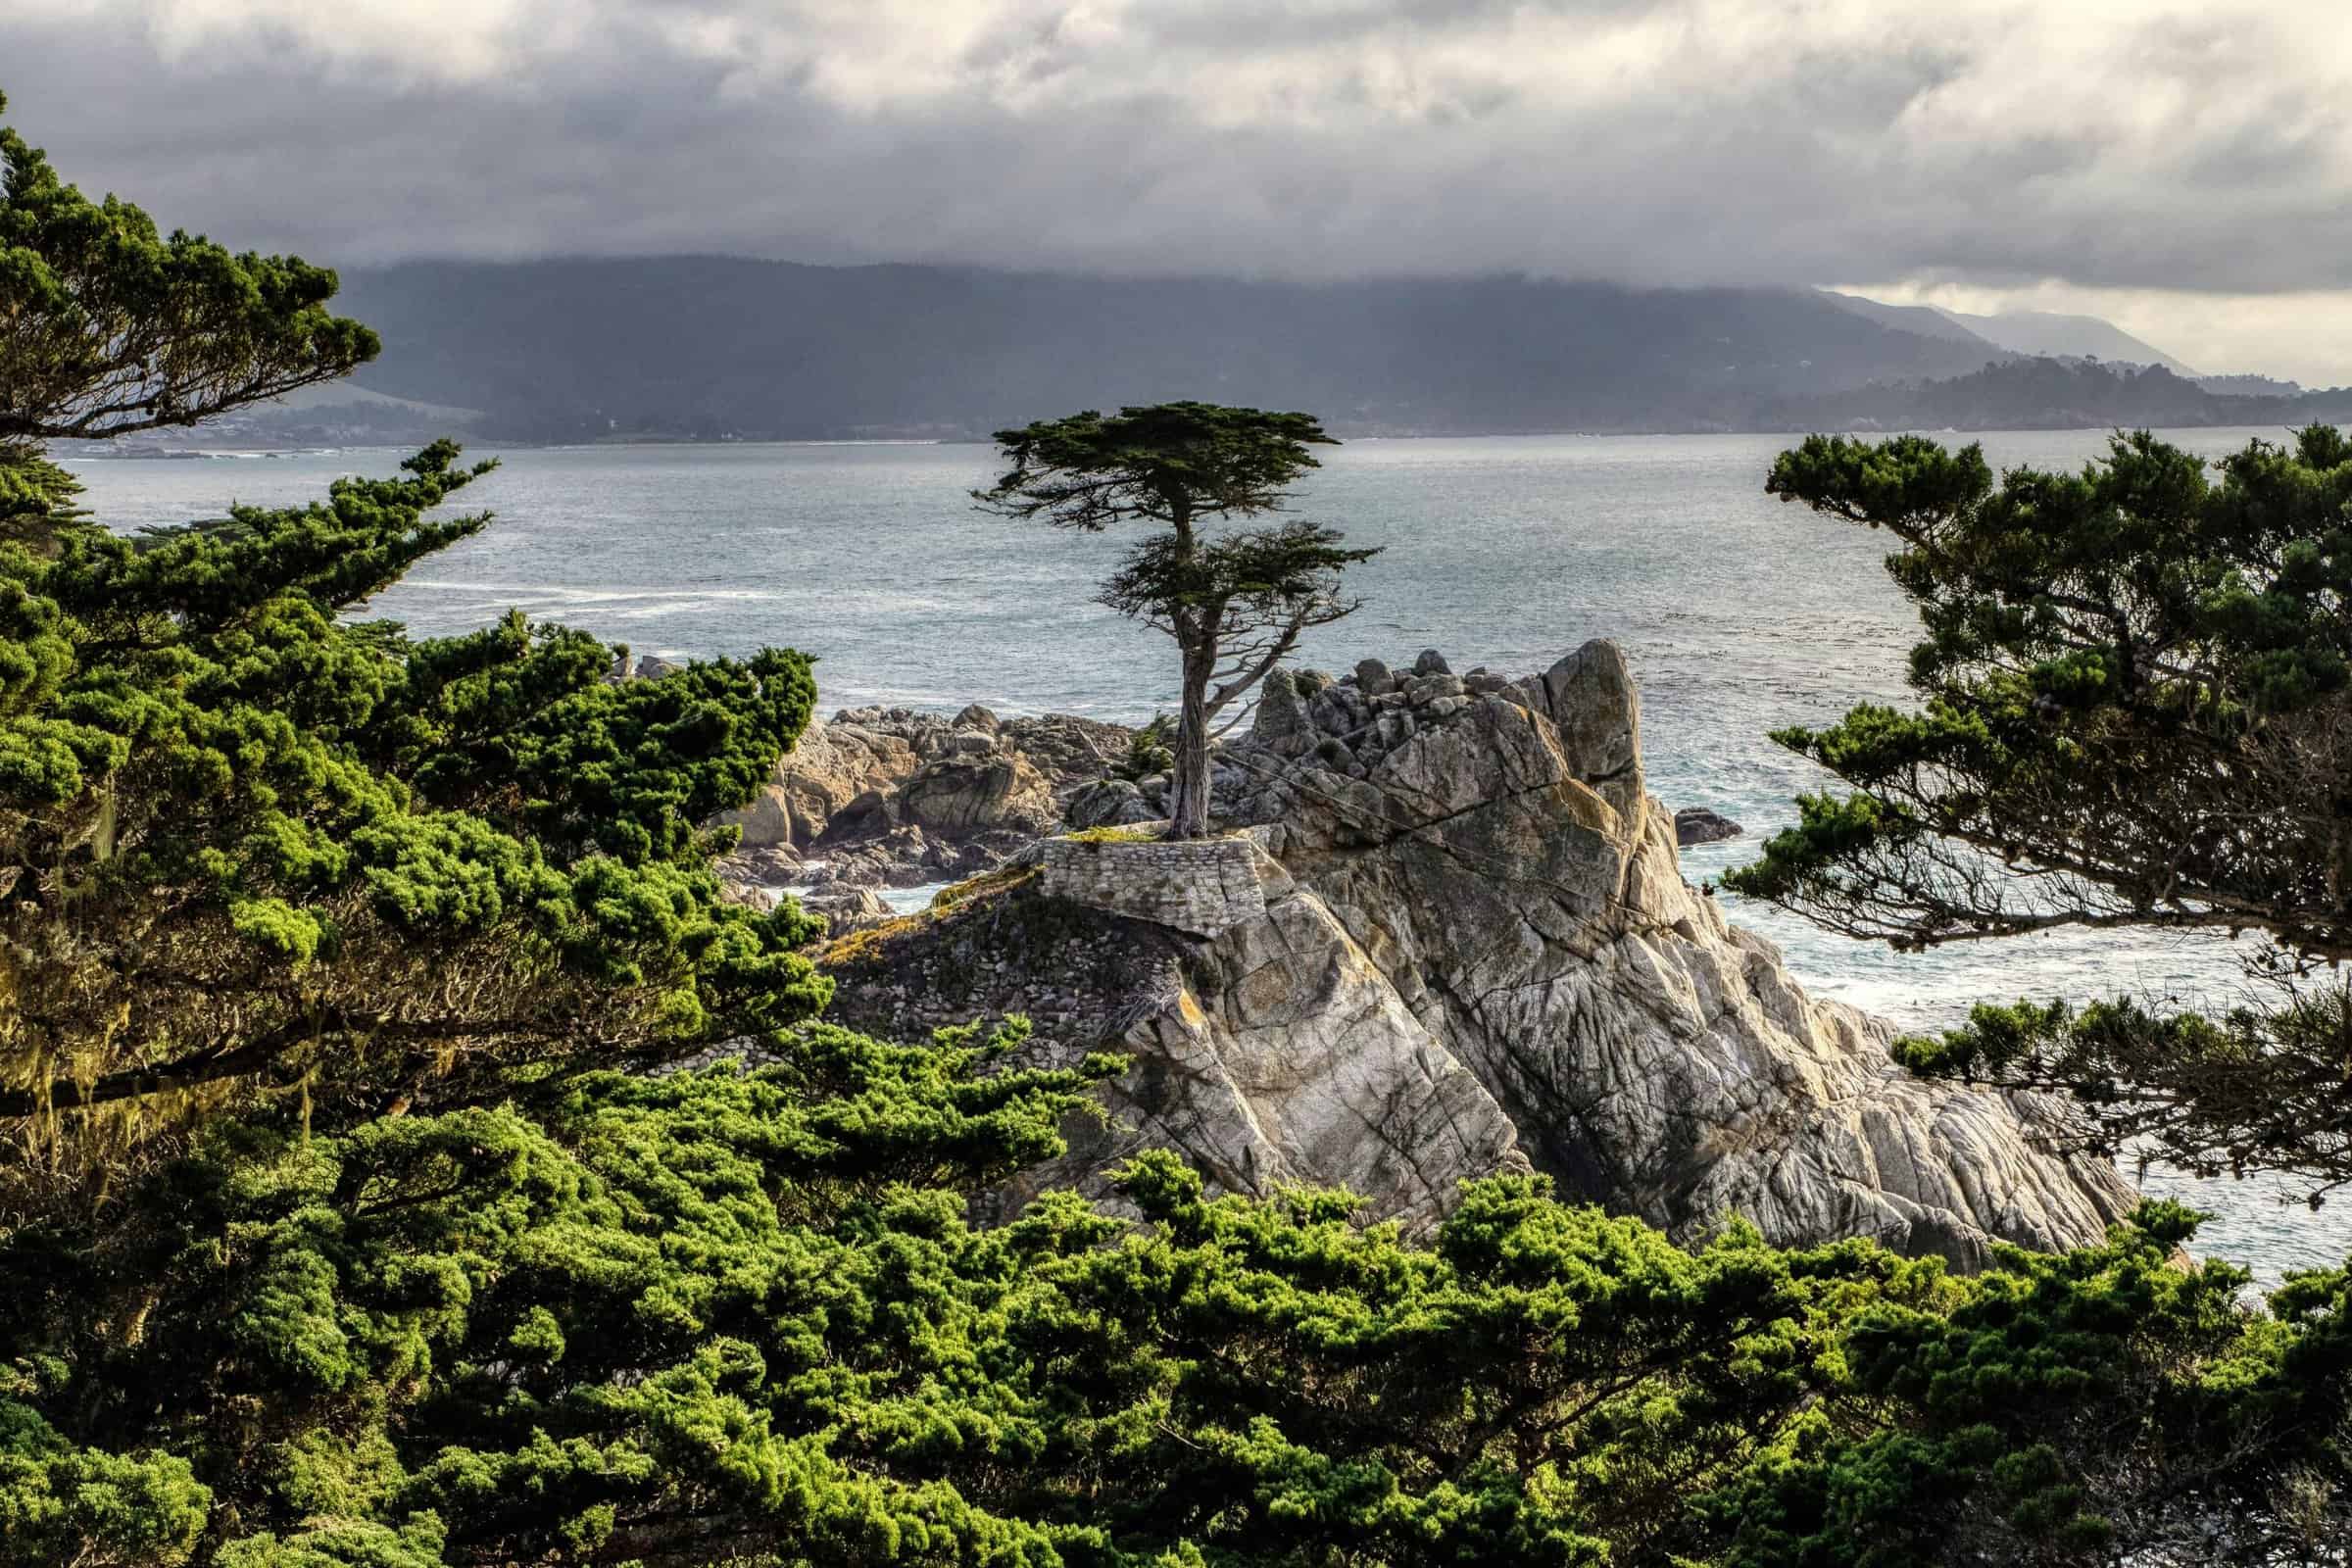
column 1421, row 689
column 1695, row 824
column 974, row 716
column 847, row 908
column 765, row 820
column 1282, row 723
column 1068, row 750
column 898, row 858
column 835, row 765
column 743, row 870
column 1372, row 679
column 1596, row 710
column 966, row 794
column 1108, row 802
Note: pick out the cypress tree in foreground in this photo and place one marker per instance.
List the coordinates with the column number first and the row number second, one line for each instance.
column 2137, row 686
column 249, row 849
column 107, row 325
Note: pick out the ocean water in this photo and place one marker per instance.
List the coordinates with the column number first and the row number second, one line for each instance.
column 1739, row 614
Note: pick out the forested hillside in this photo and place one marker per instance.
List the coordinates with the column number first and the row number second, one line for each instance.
column 2046, row 394
column 714, row 346
column 717, row 348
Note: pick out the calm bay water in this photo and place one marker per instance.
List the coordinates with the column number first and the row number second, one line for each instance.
column 1739, row 614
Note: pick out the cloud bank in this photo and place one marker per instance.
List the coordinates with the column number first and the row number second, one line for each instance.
column 2170, row 158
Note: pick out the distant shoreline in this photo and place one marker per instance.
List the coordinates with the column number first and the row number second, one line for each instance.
column 99, row 453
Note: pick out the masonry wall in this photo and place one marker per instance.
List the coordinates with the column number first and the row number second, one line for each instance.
column 1203, row 887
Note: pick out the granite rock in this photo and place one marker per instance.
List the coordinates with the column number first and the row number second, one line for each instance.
column 1695, row 824
column 1471, row 950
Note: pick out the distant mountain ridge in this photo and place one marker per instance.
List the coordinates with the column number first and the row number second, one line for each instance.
column 2044, row 333
column 2036, row 335
column 2046, row 393
column 716, row 347
column 1923, row 320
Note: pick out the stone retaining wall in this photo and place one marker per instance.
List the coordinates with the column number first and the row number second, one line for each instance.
column 1203, row 887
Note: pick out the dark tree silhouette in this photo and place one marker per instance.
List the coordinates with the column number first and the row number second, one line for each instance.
column 109, row 327
column 2138, row 714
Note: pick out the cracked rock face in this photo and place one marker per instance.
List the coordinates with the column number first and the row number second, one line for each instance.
column 1274, row 1051
column 1477, row 953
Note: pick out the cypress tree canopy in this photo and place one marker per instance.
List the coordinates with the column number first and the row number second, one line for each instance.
column 106, row 326
column 2138, row 714
column 731, row 1318
column 1236, row 602
column 244, row 842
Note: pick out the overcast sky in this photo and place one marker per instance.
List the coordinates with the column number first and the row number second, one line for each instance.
column 2184, row 170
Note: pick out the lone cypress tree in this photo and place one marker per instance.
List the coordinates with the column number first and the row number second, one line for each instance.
column 1236, row 602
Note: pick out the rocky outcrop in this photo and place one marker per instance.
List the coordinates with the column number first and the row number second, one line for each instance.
column 1265, row 1043
column 1109, row 803
column 762, row 825
column 888, row 797
column 987, row 790
column 1450, row 936
column 847, row 908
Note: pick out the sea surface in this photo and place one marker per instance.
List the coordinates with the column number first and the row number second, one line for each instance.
column 1739, row 614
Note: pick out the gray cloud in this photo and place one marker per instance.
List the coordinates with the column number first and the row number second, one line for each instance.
column 1980, row 143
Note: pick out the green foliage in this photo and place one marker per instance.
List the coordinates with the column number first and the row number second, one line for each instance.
column 709, row 1307
column 1163, row 463
column 2085, row 1407
column 113, row 327
column 736, row 1315
column 250, row 850
column 1149, row 751
column 2136, row 689
column 243, row 841
column 61, row 1502
column 36, row 497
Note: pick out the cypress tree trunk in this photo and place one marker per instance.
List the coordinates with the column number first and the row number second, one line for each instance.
column 1188, row 792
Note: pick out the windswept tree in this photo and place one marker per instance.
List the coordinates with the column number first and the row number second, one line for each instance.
column 1234, row 599
column 2138, row 714
column 250, row 850
column 108, row 326
column 248, row 847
